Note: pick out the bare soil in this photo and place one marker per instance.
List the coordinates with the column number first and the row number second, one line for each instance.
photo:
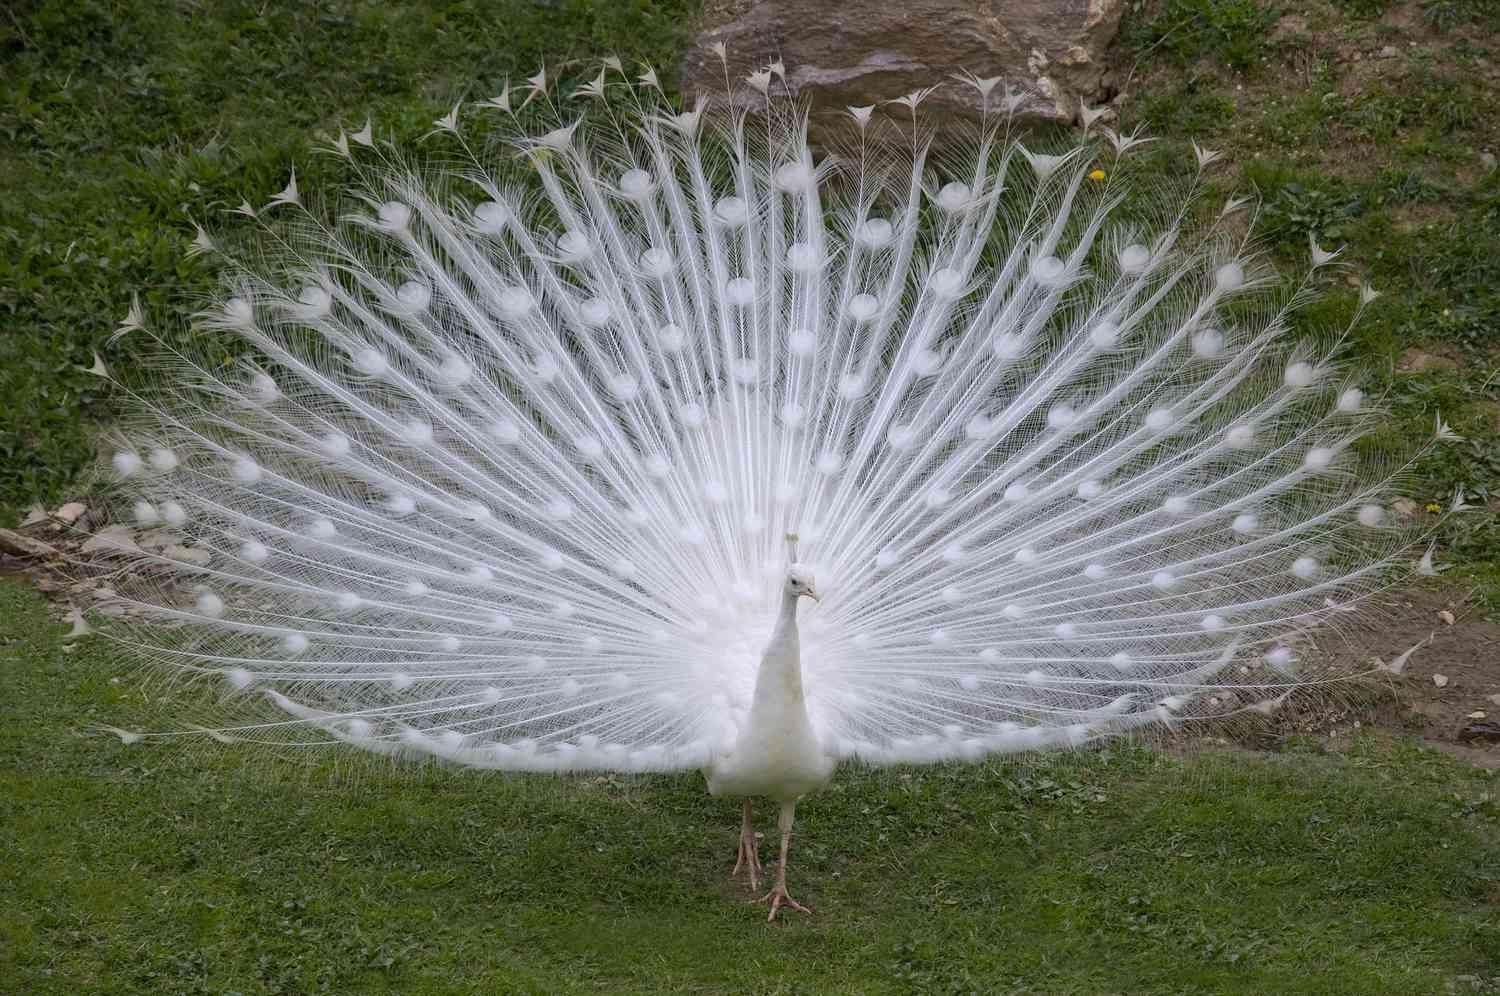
column 1452, row 676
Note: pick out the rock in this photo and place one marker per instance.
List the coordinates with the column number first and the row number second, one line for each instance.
column 1482, row 731
column 1440, row 680
column 1404, row 507
column 1493, row 699
column 1446, row 616
column 1476, row 714
column 863, row 52
column 1389, row 52
column 1487, row 159
column 70, row 513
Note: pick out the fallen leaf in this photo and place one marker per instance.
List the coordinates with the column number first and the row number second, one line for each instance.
column 70, row 513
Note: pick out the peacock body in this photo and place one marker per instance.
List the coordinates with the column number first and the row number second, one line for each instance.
column 507, row 472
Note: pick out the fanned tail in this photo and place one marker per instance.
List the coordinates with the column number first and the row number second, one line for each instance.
column 504, row 476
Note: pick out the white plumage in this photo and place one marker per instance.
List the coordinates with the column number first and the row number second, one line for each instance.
column 504, row 474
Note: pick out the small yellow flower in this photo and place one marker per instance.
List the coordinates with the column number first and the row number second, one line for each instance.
column 1097, row 174
column 1433, row 506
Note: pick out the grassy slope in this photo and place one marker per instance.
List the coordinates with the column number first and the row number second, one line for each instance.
column 1372, row 125
column 139, row 869
column 123, row 122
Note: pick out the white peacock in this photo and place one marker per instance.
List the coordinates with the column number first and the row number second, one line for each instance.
column 507, row 477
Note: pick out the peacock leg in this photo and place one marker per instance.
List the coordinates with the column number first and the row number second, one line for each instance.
column 749, row 854
column 778, row 894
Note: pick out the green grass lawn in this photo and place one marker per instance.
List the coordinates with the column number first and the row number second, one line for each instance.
column 141, row 869
column 124, row 122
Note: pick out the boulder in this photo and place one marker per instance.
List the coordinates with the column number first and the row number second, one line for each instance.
column 863, row 52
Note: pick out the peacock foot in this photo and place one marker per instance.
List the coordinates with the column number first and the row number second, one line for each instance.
column 748, row 858
column 779, row 897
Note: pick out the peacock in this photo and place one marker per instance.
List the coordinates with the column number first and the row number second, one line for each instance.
column 645, row 437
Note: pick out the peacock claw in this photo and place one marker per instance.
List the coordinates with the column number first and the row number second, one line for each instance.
column 749, row 859
column 779, row 897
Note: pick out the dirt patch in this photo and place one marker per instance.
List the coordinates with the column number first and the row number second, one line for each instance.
column 1454, row 675
column 1417, row 360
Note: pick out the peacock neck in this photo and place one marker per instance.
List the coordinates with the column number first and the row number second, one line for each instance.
column 779, row 683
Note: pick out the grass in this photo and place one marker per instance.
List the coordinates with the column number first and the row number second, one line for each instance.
column 146, row 870
column 1363, row 124
column 123, row 123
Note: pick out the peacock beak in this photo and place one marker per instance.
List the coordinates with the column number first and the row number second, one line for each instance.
column 813, row 595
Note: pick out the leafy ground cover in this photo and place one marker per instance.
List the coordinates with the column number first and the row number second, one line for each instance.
column 138, row 869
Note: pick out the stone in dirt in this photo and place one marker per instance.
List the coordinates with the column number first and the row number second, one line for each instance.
column 70, row 513
column 1484, row 731
column 861, row 52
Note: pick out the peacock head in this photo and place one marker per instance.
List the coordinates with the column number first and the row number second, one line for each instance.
column 799, row 583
